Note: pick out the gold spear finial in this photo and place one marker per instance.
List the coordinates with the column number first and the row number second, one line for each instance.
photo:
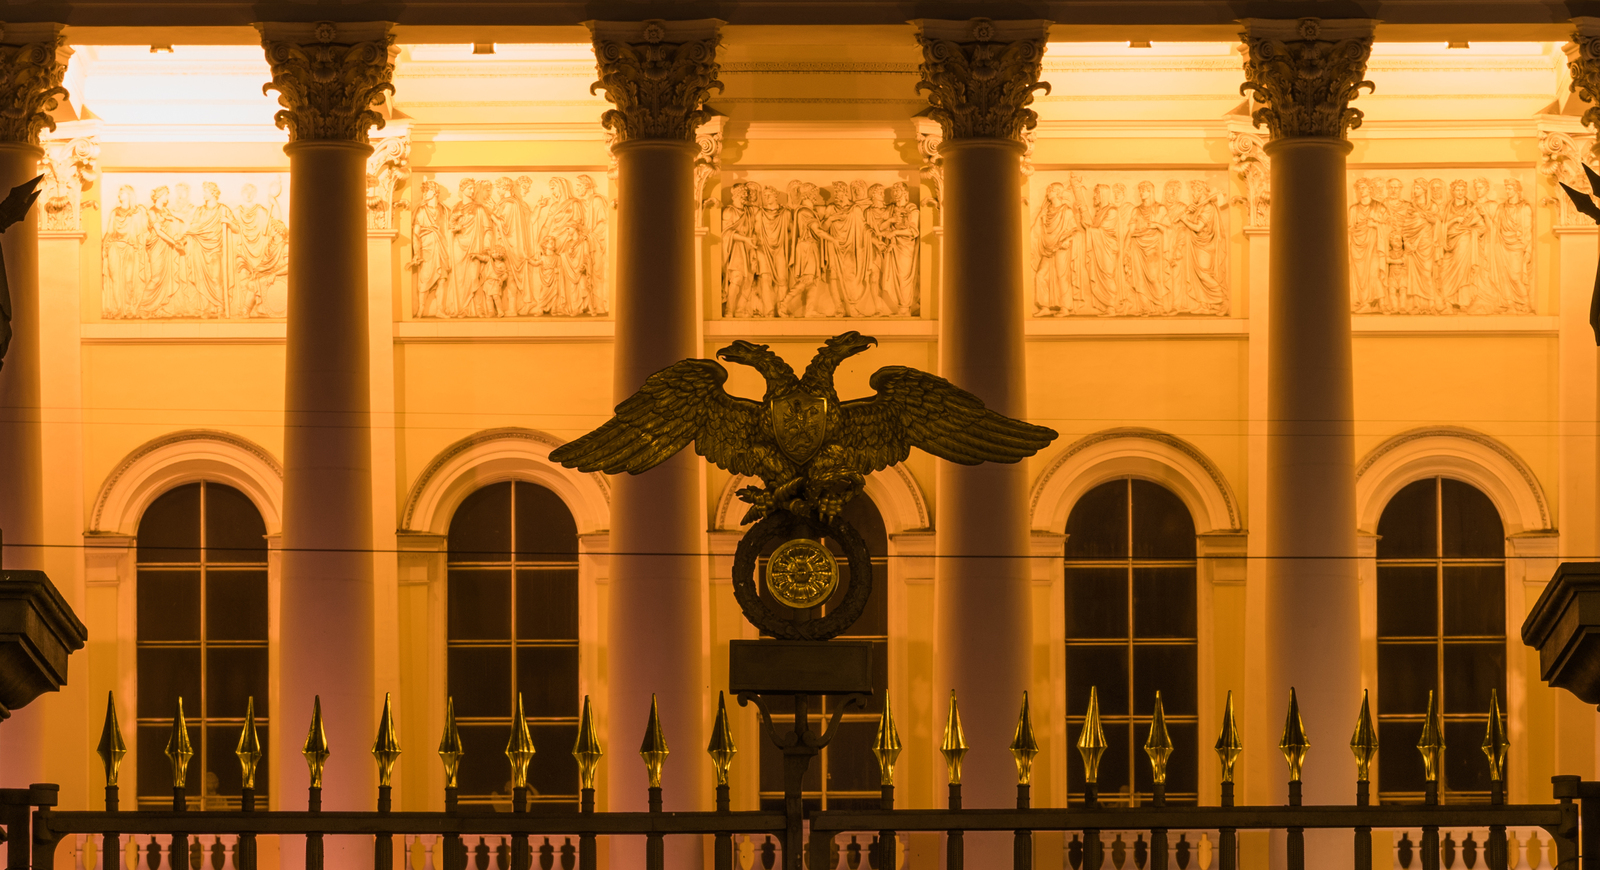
column 249, row 749
column 450, row 751
column 954, row 747
column 316, row 748
column 1294, row 744
column 1495, row 741
column 587, row 747
column 886, row 748
column 1229, row 747
column 1364, row 743
column 386, row 749
column 1024, row 746
column 1431, row 743
column 721, row 748
column 1092, row 739
column 111, row 748
column 654, row 748
column 519, row 748
column 1159, row 744
column 178, row 749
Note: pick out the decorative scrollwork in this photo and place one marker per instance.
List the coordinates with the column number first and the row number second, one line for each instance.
column 981, row 75
column 328, row 81
column 1305, row 74
column 1583, row 62
column 658, row 75
column 30, row 81
column 781, row 526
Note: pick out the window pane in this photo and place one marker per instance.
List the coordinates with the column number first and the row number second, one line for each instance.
column 169, row 531
column 1162, row 527
column 545, row 529
column 1400, row 768
column 1471, row 671
column 1163, row 602
column 1103, row 667
column 480, row 531
column 1408, row 600
column 1113, row 764
column 236, row 605
column 232, row 676
column 168, row 605
column 1097, row 528
column 1406, row 674
column 479, row 603
column 1408, row 525
column 1097, row 603
column 547, row 603
column 554, row 771
column 164, row 674
column 1168, row 669
column 874, row 620
column 484, row 768
column 480, row 681
column 1474, row 600
column 547, row 677
column 234, row 530
column 1466, row 768
column 1471, row 525
column 851, row 764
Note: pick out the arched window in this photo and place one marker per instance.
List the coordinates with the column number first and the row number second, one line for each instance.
column 1441, row 628
column 512, row 626
column 1130, row 593
column 846, row 776
column 202, row 636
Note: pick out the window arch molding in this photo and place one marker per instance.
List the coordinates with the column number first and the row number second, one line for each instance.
column 894, row 491
column 1147, row 454
column 1456, row 452
column 184, row 457
column 493, row 456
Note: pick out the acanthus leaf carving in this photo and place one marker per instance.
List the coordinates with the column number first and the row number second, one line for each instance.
column 1249, row 161
column 1561, row 159
column 1305, row 73
column 387, row 168
column 329, row 77
column 708, row 161
column 33, row 62
column 657, row 76
column 69, row 167
column 981, row 75
column 930, row 135
column 1583, row 64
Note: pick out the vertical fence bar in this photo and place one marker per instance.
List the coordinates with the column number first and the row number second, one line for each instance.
column 1430, row 833
column 1297, row 836
column 1227, row 839
column 1363, row 839
column 1158, row 836
column 244, row 854
column 955, row 846
column 1496, row 857
column 1022, row 839
column 1092, row 848
column 654, row 843
column 586, row 841
column 722, row 845
column 521, row 855
column 1566, row 788
column 313, row 841
column 383, row 844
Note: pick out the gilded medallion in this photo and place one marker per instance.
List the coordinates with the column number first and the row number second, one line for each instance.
column 802, row 573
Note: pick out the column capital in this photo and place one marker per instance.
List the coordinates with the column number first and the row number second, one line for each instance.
column 657, row 74
column 1583, row 62
column 33, row 61
column 1305, row 72
column 980, row 75
column 329, row 76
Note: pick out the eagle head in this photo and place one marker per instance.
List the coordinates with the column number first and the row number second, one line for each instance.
column 848, row 344
column 760, row 357
column 744, row 352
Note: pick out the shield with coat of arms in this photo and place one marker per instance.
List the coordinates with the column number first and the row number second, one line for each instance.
column 800, row 423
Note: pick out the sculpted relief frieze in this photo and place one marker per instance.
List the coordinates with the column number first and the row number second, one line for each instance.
column 1135, row 243
column 1454, row 242
column 194, row 245
column 510, row 244
column 815, row 244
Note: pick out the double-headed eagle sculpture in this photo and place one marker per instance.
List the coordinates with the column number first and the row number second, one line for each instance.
column 811, row 451
column 12, row 209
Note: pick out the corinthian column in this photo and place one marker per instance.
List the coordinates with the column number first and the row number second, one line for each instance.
column 327, row 77
column 33, row 59
column 1305, row 73
column 656, row 75
column 980, row 76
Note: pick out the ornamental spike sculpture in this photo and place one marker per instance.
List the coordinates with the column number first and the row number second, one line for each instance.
column 1024, row 746
column 886, row 747
column 249, row 748
column 1229, row 747
column 1364, row 742
column 1159, row 744
column 721, row 748
column 1294, row 744
column 111, row 748
column 954, row 746
column 1092, row 739
column 654, row 749
column 316, row 748
column 178, row 749
column 519, row 748
column 386, row 748
column 1431, row 743
column 587, row 747
column 450, row 751
column 1495, row 741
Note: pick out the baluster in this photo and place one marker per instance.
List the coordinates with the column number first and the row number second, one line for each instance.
column 219, row 854
column 769, row 854
column 422, row 846
column 1404, row 851
column 197, row 854
column 1203, row 851
column 502, row 855
column 569, row 854
column 1182, row 851
column 78, row 857
column 1119, row 852
column 1447, row 853
column 852, row 853
column 90, row 858
column 152, row 854
column 954, row 748
column 1544, row 847
column 386, row 751
column 1229, row 747
column 454, row 855
column 745, row 854
column 480, row 855
column 1074, row 849
column 1469, row 852
column 233, row 854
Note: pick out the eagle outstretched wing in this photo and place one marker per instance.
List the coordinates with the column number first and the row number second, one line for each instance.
column 681, row 403
column 917, row 409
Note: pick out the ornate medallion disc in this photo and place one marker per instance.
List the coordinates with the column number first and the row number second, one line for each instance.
column 802, row 573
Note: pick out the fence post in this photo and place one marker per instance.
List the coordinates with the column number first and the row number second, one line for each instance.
column 44, row 841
